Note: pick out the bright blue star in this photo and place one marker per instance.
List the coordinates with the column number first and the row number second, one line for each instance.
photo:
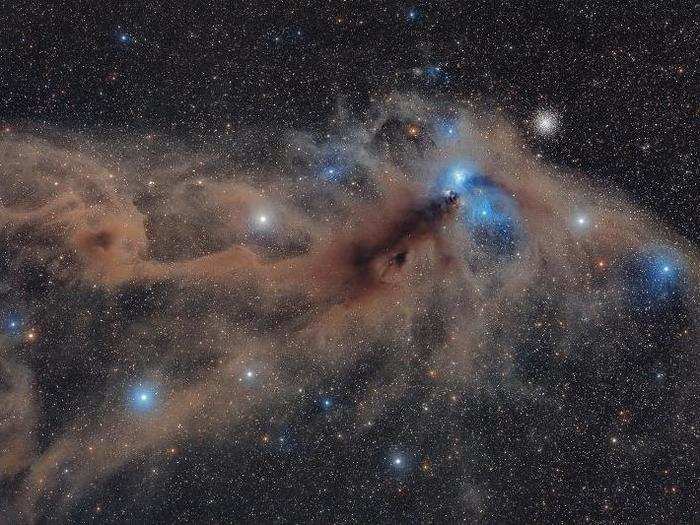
column 656, row 275
column 124, row 38
column 334, row 164
column 142, row 398
column 333, row 172
column 327, row 403
column 455, row 177
column 664, row 270
column 13, row 325
column 412, row 14
column 399, row 463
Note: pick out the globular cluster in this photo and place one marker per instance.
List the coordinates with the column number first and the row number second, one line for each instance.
column 291, row 263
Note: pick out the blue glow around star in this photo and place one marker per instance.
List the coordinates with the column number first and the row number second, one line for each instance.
column 335, row 164
column 143, row 398
column 662, row 273
column 13, row 324
column 656, row 275
column 433, row 71
column 333, row 172
column 446, row 130
column 261, row 221
column 456, row 177
column 491, row 217
column 399, row 463
column 489, row 214
column 581, row 221
column 435, row 75
column 124, row 38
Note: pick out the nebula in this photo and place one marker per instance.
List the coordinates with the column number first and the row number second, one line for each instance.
column 418, row 280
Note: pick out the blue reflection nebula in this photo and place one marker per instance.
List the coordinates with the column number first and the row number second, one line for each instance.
column 432, row 76
column 335, row 165
column 457, row 177
column 327, row 403
column 656, row 275
column 446, row 130
column 492, row 217
column 12, row 325
column 489, row 214
column 142, row 398
column 333, row 172
column 400, row 463
column 124, row 38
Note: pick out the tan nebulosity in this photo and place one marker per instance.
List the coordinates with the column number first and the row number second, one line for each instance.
column 366, row 276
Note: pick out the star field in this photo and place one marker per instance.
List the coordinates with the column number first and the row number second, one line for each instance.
column 292, row 262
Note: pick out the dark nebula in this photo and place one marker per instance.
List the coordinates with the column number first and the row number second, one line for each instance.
column 327, row 264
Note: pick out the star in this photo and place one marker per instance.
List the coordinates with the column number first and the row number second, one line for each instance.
column 333, row 172
column 327, row 402
column 413, row 130
column 399, row 464
column 581, row 222
column 13, row 325
column 657, row 276
column 664, row 269
column 143, row 398
column 262, row 221
column 124, row 38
